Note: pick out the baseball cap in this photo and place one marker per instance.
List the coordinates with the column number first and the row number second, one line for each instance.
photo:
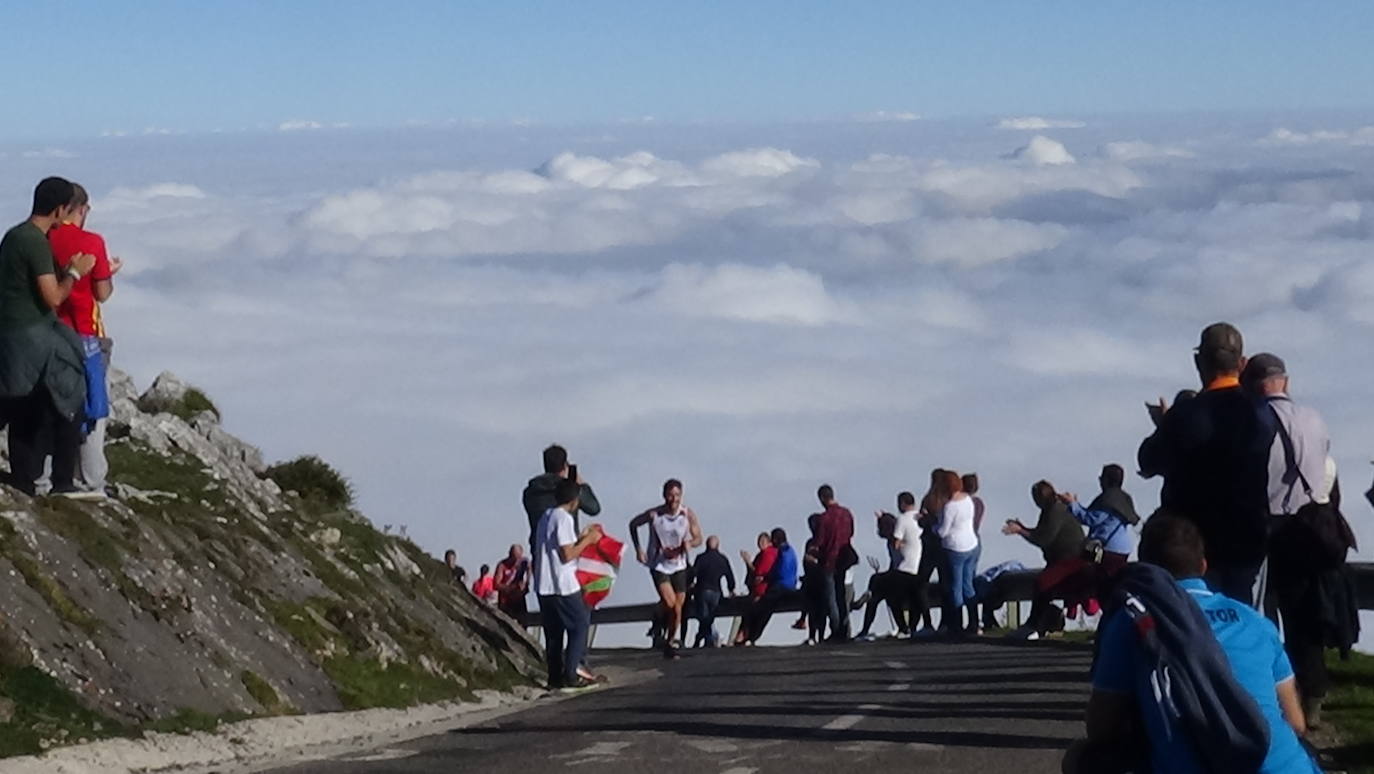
column 1221, row 337
column 1263, row 366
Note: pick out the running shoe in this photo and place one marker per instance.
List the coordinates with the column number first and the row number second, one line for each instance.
column 866, row 638
column 577, row 686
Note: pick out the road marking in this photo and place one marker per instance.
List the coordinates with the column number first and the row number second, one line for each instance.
column 895, row 664
column 844, row 722
column 899, row 687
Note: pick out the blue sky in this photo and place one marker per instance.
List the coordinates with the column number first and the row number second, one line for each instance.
column 233, row 65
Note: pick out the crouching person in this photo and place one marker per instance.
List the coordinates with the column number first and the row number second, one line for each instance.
column 1187, row 680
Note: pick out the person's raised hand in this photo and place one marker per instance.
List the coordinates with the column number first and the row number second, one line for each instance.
column 640, row 557
column 116, row 263
column 1068, row 497
column 1157, row 410
column 83, row 263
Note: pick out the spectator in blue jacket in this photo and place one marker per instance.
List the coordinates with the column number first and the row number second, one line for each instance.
column 782, row 583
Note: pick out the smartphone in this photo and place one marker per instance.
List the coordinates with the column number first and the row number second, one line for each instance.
column 572, row 472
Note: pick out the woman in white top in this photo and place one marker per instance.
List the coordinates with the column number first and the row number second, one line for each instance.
column 673, row 530
column 960, row 541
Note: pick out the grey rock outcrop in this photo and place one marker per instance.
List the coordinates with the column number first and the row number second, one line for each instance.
column 202, row 586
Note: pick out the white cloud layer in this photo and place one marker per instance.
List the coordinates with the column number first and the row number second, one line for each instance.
column 754, row 311
column 1038, row 124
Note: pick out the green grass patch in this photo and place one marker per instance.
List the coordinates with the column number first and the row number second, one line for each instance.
column 364, row 683
column 316, row 481
column 188, row 720
column 1349, row 711
column 298, row 621
column 41, row 581
column 98, row 546
column 139, row 466
column 191, row 403
column 45, row 711
column 263, row 693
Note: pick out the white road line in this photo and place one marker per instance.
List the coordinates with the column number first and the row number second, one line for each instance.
column 895, row 664
column 848, row 721
column 899, row 687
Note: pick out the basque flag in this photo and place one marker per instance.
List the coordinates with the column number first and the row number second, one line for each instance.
column 596, row 569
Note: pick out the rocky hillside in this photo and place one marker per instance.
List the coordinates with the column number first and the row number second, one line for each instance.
column 203, row 592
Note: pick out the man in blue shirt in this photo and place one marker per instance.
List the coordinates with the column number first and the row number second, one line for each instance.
column 1123, row 695
column 782, row 583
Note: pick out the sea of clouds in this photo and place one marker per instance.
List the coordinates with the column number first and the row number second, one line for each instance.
column 753, row 309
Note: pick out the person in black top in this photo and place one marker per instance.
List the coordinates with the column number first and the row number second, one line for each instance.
column 707, row 572
column 459, row 575
column 1213, row 456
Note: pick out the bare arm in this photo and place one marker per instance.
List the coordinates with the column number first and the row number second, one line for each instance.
column 589, row 536
column 54, row 290
column 1292, row 706
column 102, row 289
column 635, row 523
column 696, row 539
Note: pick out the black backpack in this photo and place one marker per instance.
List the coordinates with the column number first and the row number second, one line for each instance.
column 1318, row 537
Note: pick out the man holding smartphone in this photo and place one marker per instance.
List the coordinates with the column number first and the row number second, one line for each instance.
column 539, row 495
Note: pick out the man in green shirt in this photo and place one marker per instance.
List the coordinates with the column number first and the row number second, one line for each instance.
column 42, row 379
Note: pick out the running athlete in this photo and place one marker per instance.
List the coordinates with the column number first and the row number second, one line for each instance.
column 673, row 530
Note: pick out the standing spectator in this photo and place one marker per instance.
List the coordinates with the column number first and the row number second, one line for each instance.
column 539, row 496
column 960, row 541
column 81, row 312
column 1214, row 458
column 836, row 555
column 932, row 552
column 1067, row 574
column 814, row 586
column 1298, row 458
column 512, row 580
column 782, row 583
column 709, row 569
column 42, row 364
column 971, row 485
column 484, row 588
column 457, row 574
column 564, row 614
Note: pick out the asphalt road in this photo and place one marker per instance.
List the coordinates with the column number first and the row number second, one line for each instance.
column 984, row 706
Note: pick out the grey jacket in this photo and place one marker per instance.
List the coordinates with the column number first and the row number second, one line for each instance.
column 49, row 354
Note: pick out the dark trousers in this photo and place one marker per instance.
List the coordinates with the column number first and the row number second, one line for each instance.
column 35, row 431
column 832, row 587
column 1235, row 579
column 817, row 611
column 708, row 602
column 566, row 619
column 932, row 558
column 762, row 611
column 896, row 589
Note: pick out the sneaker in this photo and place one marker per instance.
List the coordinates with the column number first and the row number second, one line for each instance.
column 1023, row 633
column 866, row 638
column 577, row 685
column 590, row 676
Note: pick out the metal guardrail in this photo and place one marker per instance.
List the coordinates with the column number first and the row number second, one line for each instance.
column 1010, row 589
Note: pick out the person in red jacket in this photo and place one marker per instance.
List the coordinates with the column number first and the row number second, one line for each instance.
column 81, row 312
column 836, row 555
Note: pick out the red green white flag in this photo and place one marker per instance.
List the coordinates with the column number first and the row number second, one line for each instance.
column 596, row 569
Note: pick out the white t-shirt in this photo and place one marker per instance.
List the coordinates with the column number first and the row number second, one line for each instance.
column 956, row 526
column 552, row 575
column 909, row 533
